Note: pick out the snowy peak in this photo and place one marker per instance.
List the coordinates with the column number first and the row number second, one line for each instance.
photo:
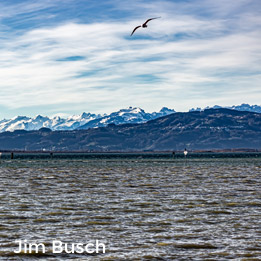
column 166, row 111
column 135, row 110
column 163, row 112
column 129, row 111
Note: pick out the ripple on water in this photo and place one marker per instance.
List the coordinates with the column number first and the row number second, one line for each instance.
column 202, row 209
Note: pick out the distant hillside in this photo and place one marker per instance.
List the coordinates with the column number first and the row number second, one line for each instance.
column 208, row 129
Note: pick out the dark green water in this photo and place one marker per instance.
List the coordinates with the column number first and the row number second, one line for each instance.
column 154, row 208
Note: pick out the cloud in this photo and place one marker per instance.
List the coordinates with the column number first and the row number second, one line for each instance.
column 181, row 61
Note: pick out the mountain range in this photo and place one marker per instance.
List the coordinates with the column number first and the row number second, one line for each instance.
column 197, row 130
column 242, row 107
column 90, row 120
column 83, row 121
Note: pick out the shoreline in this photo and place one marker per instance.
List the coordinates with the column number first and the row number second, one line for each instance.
column 130, row 154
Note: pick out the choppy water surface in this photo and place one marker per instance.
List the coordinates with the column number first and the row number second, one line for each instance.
column 142, row 209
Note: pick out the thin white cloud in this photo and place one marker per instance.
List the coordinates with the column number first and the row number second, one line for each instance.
column 14, row 9
column 183, row 61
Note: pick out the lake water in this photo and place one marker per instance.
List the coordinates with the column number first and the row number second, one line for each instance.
column 140, row 208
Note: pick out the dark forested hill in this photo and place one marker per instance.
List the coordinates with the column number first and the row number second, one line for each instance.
column 208, row 129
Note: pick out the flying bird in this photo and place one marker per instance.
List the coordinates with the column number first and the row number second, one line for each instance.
column 143, row 25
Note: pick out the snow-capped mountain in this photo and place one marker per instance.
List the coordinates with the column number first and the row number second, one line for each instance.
column 83, row 121
column 55, row 123
column 246, row 107
column 130, row 115
column 242, row 107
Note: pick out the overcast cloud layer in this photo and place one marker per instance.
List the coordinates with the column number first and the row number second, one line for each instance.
column 74, row 56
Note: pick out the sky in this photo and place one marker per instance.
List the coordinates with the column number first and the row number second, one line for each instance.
column 65, row 57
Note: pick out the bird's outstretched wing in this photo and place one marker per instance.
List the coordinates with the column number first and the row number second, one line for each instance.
column 150, row 20
column 135, row 29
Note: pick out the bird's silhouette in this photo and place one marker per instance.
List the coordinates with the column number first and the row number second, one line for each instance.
column 143, row 25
